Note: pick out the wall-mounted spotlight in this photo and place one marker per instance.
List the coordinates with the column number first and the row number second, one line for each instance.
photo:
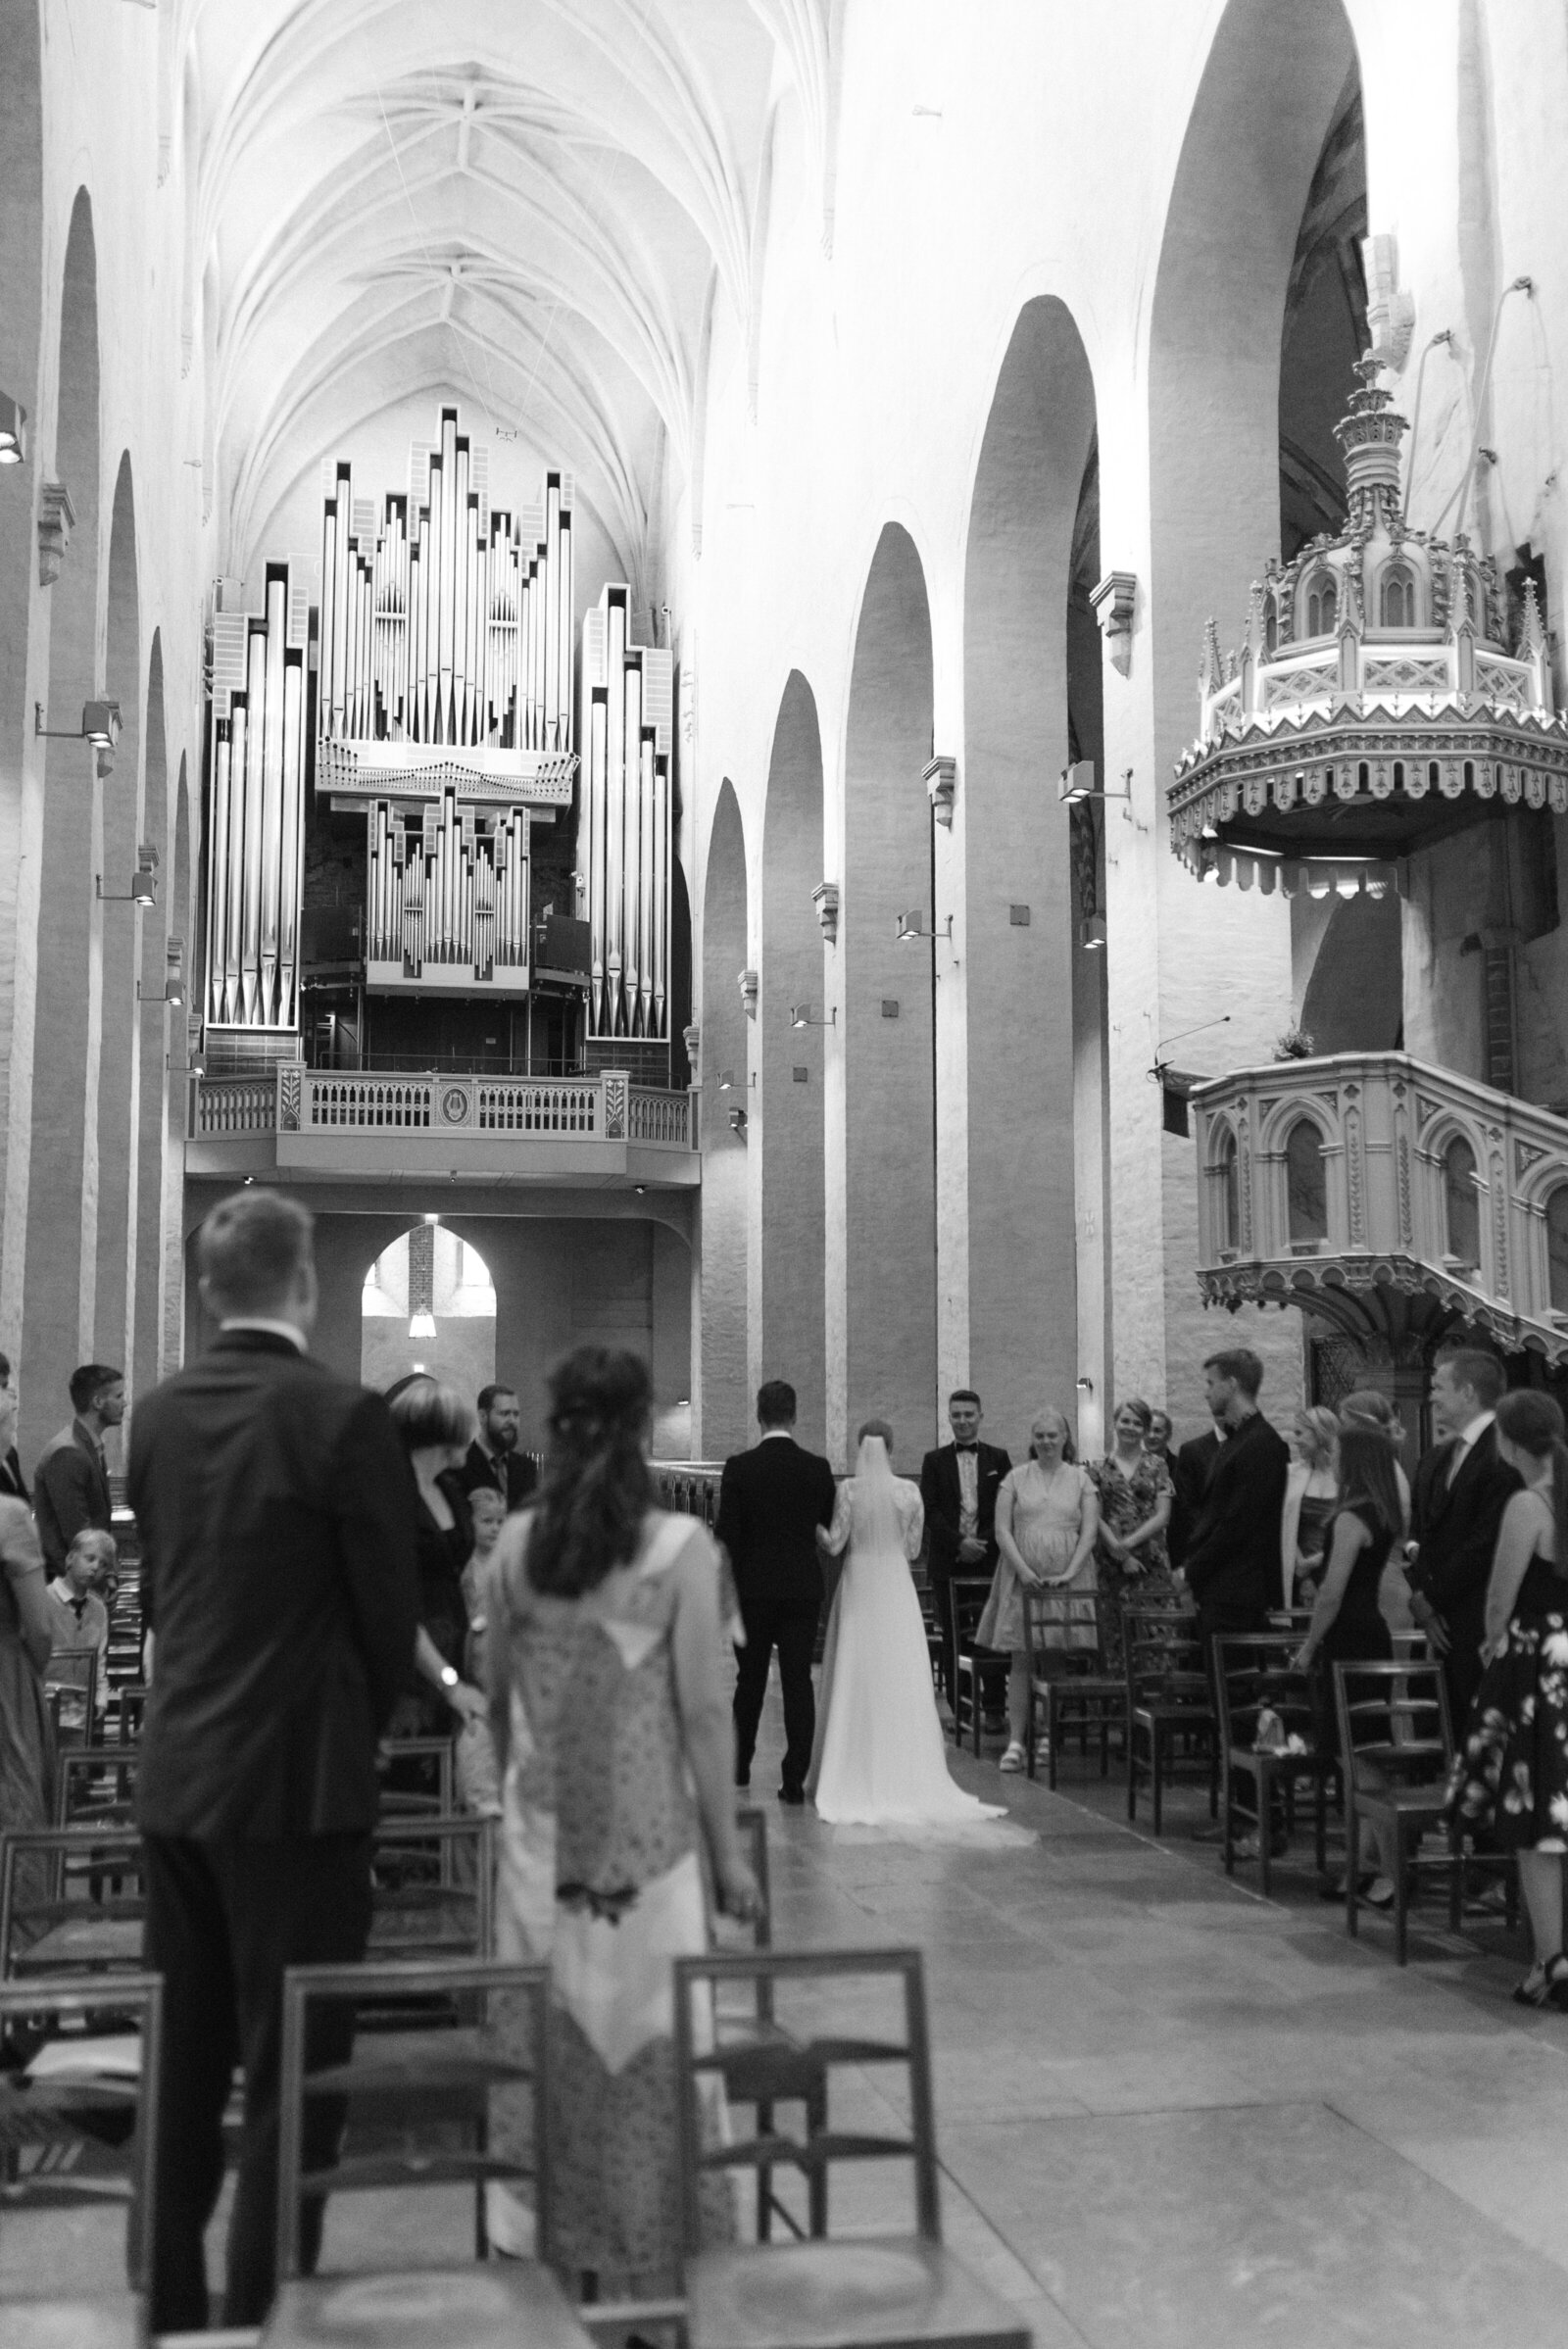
column 738, row 1122
column 802, row 1016
column 913, row 925
column 729, row 1082
column 143, row 890
column 1084, row 1383
column 13, row 430
column 1076, row 786
column 1092, row 931
column 100, row 725
column 173, row 992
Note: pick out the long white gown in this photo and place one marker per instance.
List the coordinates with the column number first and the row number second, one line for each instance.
column 880, row 1758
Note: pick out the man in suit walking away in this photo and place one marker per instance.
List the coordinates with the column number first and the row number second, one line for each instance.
column 493, row 1457
column 276, row 1511
column 771, row 1500
column 1461, row 1489
column 70, row 1483
column 958, row 1485
column 1233, row 1558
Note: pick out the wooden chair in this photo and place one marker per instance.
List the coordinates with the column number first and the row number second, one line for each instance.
column 980, row 1673
column 72, row 1675
column 95, row 1784
column 416, row 1775
column 131, row 1711
column 78, row 2130
column 1252, row 1675
column 887, row 2288
column 70, row 1899
column 417, row 2111
column 1394, row 1725
column 1169, row 1701
column 433, row 1886
column 1068, row 1626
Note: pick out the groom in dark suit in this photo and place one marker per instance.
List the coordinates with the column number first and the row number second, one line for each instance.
column 770, row 1503
column 1461, row 1489
column 958, row 1485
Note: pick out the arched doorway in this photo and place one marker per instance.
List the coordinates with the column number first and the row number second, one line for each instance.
column 881, row 1226
column 1034, row 967
column 429, row 1305
column 721, row 1408
column 789, row 1339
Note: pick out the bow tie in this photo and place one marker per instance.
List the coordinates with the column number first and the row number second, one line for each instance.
column 968, row 1448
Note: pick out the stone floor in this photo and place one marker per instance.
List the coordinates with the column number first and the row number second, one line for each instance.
column 1169, row 2112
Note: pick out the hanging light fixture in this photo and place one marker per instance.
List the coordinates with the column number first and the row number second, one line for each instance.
column 13, row 430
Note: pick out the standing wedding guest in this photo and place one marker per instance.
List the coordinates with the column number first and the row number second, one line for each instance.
column 1232, row 1563
column 12, row 1480
column 70, row 1483
column 78, row 1618
column 489, row 1513
column 1135, row 1504
column 1512, row 1773
column 27, row 1634
column 1158, row 1445
column 1047, row 1517
column 493, row 1457
column 1462, row 1485
column 605, row 1641
column 958, row 1486
column 275, row 1509
column 436, row 1425
column 1311, row 1492
column 771, row 1500
column 1366, row 1407
column 1195, row 1465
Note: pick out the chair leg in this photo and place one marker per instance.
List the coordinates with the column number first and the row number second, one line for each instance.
column 1401, row 1894
column 1029, row 1724
column 1156, row 1756
column 1132, row 1773
column 1264, row 1785
column 1455, row 1876
column 1353, row 1867
column 1050, row 1735
column 1320, row 1823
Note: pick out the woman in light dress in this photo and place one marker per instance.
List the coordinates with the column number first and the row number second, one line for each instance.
column 1311, row 1497
column 880, row 1758
column 1047, row 1515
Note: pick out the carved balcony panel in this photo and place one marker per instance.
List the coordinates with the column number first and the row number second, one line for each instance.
column 1350, row 1186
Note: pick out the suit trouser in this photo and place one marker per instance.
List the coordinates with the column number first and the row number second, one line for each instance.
column 225, row 1919
column 792, row 1633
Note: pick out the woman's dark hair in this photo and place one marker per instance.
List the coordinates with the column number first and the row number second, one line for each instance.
column 1366, row 1474
column 426, row 1411
column 1535, row 1423
column 596, row 1487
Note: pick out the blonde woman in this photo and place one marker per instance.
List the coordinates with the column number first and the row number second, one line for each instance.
column 1311, row 1486
column 1047, row 1515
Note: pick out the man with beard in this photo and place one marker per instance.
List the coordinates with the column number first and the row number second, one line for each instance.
column 493, row 1457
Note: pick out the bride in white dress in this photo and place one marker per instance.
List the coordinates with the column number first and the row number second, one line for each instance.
column 880, row 1757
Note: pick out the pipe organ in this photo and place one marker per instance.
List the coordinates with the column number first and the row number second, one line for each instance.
column 255, row 856
column 623, row 839
column 447, row 899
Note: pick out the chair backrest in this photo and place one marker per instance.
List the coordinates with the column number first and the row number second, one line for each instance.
column 416, row 1775
column 1057, row 1622
column 1253, row 1674
column 800, row 2030
column 1392, row 1717
column 132, row 1707
column 73, row 1672
column 1289, row 1619
column 64, row 1903
column 433, row 1885
column 472, row 2028
column 1165, row 1658
column 95, row 1784
column 90, row 2069
column 966, row 1600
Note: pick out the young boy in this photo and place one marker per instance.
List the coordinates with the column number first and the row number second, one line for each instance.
column 79, row 1618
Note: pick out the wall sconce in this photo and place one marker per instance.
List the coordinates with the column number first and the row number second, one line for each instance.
column 1076, row 786
column 1091, row 932
column 913, row 925
column 143, row 890
column 825, row 897
column 100, row 725
column 13, row 430
column 801, row 1016
column 738, row 1122
column 728, row 1079
column 422, row 1325
column 1084, row 1383
column 174, row 990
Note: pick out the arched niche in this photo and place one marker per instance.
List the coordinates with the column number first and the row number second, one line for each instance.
column 720, row 1407
column 62, row 1257
column 124, row 1031
column 789, row 1341
column 1352, row 1001
column 1034, row 987
column 887, row 1233
column 428, row 1303
column 158, row 1031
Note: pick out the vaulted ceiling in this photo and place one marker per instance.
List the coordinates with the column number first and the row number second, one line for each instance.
column 535, row 205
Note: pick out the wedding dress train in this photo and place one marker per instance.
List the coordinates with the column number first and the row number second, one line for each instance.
column 880, row 1758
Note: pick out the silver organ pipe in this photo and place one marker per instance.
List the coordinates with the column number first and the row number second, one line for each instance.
column 624, row 825
column 256, row 856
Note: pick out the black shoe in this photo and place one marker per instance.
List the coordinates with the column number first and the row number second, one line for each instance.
column 742, row 1778
column 792, row 1794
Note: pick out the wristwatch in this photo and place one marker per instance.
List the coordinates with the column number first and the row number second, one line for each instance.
column 450, row 1676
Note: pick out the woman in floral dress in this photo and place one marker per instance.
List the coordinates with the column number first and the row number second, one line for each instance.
column 1513, row 1772
column 613, row 1724
column 1135, row 1504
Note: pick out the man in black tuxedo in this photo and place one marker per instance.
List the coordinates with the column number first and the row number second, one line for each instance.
column 771, row 1500
column 276, row 1510
column 70, row 1483
column 1232, row 1563
column 12, row 1480
column 958, row 1485
column 1189, row 1475
column 493, row 1457
column 1461, row 1489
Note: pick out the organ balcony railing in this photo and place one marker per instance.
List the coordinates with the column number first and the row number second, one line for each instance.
column 1386, row 1197
column 340, row 1122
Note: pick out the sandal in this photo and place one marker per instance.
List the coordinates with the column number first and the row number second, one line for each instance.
column 1533, row 1990
column 1557, row 1982
column 1014, row 1758
column 1379, row 1894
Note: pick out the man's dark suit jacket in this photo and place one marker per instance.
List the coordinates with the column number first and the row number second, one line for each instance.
column 940, row 1492
column 511, row 1474
column 1194, row 1466
column 1233, row 1560
column 71, row 1491
column 1456, row 1527
column 12, row 1480
column 770, row 1502
column 276, row 1506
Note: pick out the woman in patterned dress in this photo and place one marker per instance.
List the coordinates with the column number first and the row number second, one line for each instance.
column 613, row 1724
column 1513, row 1772
column 1135, row 1504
